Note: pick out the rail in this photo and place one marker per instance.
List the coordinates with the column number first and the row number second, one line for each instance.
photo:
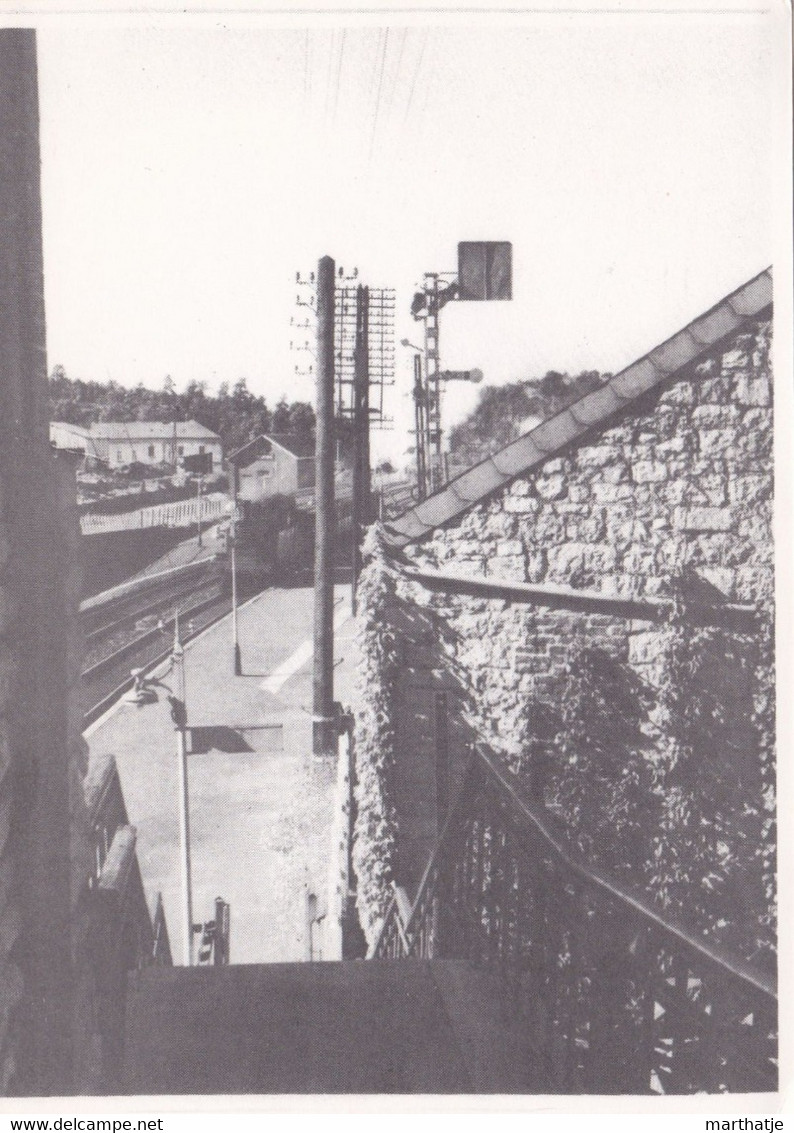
column 133, row 587
column 615, row 997
column 102, row 679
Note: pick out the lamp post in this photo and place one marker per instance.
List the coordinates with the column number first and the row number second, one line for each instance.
column 198, row 512
column 179, row 716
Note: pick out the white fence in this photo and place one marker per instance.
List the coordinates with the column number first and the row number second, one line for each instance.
column 183, row 513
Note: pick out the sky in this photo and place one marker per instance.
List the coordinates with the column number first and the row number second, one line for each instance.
column 189, row 171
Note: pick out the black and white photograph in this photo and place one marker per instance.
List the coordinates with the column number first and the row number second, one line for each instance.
column 390, row 517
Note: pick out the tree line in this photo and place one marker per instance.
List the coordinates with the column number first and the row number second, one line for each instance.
column 502, row 412
column 235, row 413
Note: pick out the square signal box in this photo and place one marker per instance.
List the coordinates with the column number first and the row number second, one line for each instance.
column 485, row 270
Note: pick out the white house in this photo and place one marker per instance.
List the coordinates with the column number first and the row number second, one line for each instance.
column 273, row 464
column 143, row 442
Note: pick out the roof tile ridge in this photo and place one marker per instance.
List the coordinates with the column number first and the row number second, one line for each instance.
column 666, row 359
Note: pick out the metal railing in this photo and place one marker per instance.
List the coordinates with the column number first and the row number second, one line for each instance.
column 614, row 997
column 116, row 880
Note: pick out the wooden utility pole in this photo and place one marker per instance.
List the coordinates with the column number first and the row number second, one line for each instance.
column 324, row 730
column 362, row 490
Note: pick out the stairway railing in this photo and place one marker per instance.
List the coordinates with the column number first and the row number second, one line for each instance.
column 616, row 998
column 116, row 874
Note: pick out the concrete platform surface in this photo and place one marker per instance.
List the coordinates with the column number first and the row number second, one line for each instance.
column 260, row 805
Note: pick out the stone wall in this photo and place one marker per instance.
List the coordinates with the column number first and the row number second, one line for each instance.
column 681, row 488
column 589, row 699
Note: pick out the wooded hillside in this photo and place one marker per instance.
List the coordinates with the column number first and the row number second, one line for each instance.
column 498, row 416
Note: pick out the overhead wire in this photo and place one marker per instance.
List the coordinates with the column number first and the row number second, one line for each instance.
column 417, row 70
column 392, row 82
column 306, row 67
column 384, row 48
column 398, row 65
column 339, row 73
column 427, row 90
column 305, row 71
column 329, row 79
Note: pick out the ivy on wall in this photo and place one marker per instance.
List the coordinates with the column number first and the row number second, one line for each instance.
column 375, row 829
column 662, row 783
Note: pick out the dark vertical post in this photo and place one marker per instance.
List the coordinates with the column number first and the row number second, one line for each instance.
column 420, row 427
column 198, row 505
column 361, row 470
column 324, row 735
column 237, row 660
column 220, row 954
column 366, row 471
column 442, row 758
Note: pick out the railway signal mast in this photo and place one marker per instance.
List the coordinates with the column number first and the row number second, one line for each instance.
column 484, row 274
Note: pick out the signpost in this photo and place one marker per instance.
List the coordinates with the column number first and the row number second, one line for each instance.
column 485, row 274
column 200, row 464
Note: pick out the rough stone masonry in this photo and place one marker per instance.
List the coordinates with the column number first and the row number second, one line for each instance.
column 673, row 499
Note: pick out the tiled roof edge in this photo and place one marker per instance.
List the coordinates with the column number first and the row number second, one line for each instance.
column 704, row 333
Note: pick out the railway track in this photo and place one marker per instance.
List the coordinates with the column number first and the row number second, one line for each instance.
column 141, row 635
column 101, row 617
column 111, row 638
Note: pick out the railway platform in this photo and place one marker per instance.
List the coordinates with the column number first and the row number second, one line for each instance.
column 260, row 806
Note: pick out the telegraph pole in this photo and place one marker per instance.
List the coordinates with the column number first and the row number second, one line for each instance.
column 324, row 734
column 435, row 473
column 362, row 491
column 420, row 428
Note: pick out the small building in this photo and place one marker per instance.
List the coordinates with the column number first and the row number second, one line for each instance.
column 76, row 439
column 116, row 444
column 273, row 464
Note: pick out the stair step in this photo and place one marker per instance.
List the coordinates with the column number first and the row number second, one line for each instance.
column 361, row 1027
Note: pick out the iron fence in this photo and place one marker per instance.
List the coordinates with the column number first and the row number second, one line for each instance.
column 615, row 997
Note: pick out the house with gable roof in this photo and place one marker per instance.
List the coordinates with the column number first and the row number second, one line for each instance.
column 594, row 603
column 273, row 464
column 153, row 442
